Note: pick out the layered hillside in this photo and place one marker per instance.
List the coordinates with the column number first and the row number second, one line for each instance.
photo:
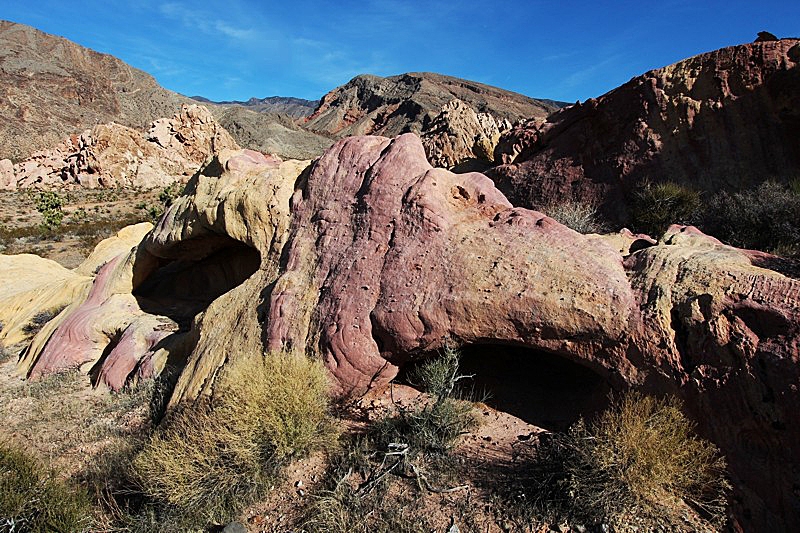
column 288, row 105
column 409, row 103
column 725, row 119
column 51, row 88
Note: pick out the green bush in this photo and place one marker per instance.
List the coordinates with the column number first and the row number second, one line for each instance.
column 582, row 217
column 211, row 459
column 656, row 206
column 639, row 465
column 765, row 218
column 165, row 198
column 50, row 204
column 33, row 500
column 436, row 424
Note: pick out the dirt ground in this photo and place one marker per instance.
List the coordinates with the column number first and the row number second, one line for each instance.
column 90, row 215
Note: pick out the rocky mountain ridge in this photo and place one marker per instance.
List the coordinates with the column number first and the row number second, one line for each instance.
column 408, row 102
column 51, row 88
column 288, row 105
column 722, row 120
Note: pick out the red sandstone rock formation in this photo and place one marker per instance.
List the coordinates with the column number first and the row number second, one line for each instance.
column 369, row 258
column 720, row 120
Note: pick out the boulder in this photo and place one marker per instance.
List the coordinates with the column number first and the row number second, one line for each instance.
column 369, row 258
column 7, row 180
column 459, row 136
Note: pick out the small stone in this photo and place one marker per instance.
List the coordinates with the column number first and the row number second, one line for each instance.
column 301, row 492
column 298, row 483
column 235, row 527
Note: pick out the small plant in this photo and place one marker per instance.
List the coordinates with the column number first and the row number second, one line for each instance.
column 657, row 206
column 211, row 459
column 33, row 500
column 165, row 198
column 40, row 319
column 79, row 215
column 765, row 218
column 50, row 204
column 436, row 425
column 413, row 443
column 638, row 465
column 582, row 217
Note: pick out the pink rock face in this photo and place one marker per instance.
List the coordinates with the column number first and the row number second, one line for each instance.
column 369, row 258
column 408, row 256
column 388, row 257
column 720, row 120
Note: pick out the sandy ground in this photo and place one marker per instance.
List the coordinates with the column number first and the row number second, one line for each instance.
column 89, row 216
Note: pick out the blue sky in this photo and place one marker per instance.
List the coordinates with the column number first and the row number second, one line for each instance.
column 561, row 50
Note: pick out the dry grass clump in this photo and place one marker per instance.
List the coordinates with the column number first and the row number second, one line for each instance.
column 582, row 217
column 639, row 465
column 32, row 499
column 213, row 458
column 40, row 319
column 406, row 451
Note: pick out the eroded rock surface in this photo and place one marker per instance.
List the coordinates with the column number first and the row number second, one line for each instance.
column 112, row 155
column 460, row 136
column 408, row 102
column 369, row 258
column 726, row 119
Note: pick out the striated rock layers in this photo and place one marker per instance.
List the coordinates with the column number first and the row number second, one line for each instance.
column 720, row 120
column 111, row 155
column 369, row 258
column 51, row 88
column 371, row 105
column 460, row 136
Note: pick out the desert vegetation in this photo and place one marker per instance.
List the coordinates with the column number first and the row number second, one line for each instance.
column 582, row 217
column 33, row 499
column 407, row 453
column 637, row 467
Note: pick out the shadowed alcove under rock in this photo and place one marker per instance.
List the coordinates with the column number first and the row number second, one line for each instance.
column 180, row 289
column 544, row 389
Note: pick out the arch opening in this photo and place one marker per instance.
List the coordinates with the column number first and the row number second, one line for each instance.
column 543, row 389
column 180, row 289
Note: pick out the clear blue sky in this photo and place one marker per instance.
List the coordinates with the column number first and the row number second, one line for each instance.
column 561, row 50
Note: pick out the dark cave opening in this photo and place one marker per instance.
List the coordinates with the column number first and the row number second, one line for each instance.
column 179, row 289
column 544, row 389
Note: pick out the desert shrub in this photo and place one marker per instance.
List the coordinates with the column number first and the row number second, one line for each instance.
column 436, row 424
column 656, row 206
column 50, row 204
column 582, row 217
column 211, row 459
column 40, row 319
column 32, row 499
column 165, row 198
column 639, row 465
column 766, row 217
column 413, row 443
